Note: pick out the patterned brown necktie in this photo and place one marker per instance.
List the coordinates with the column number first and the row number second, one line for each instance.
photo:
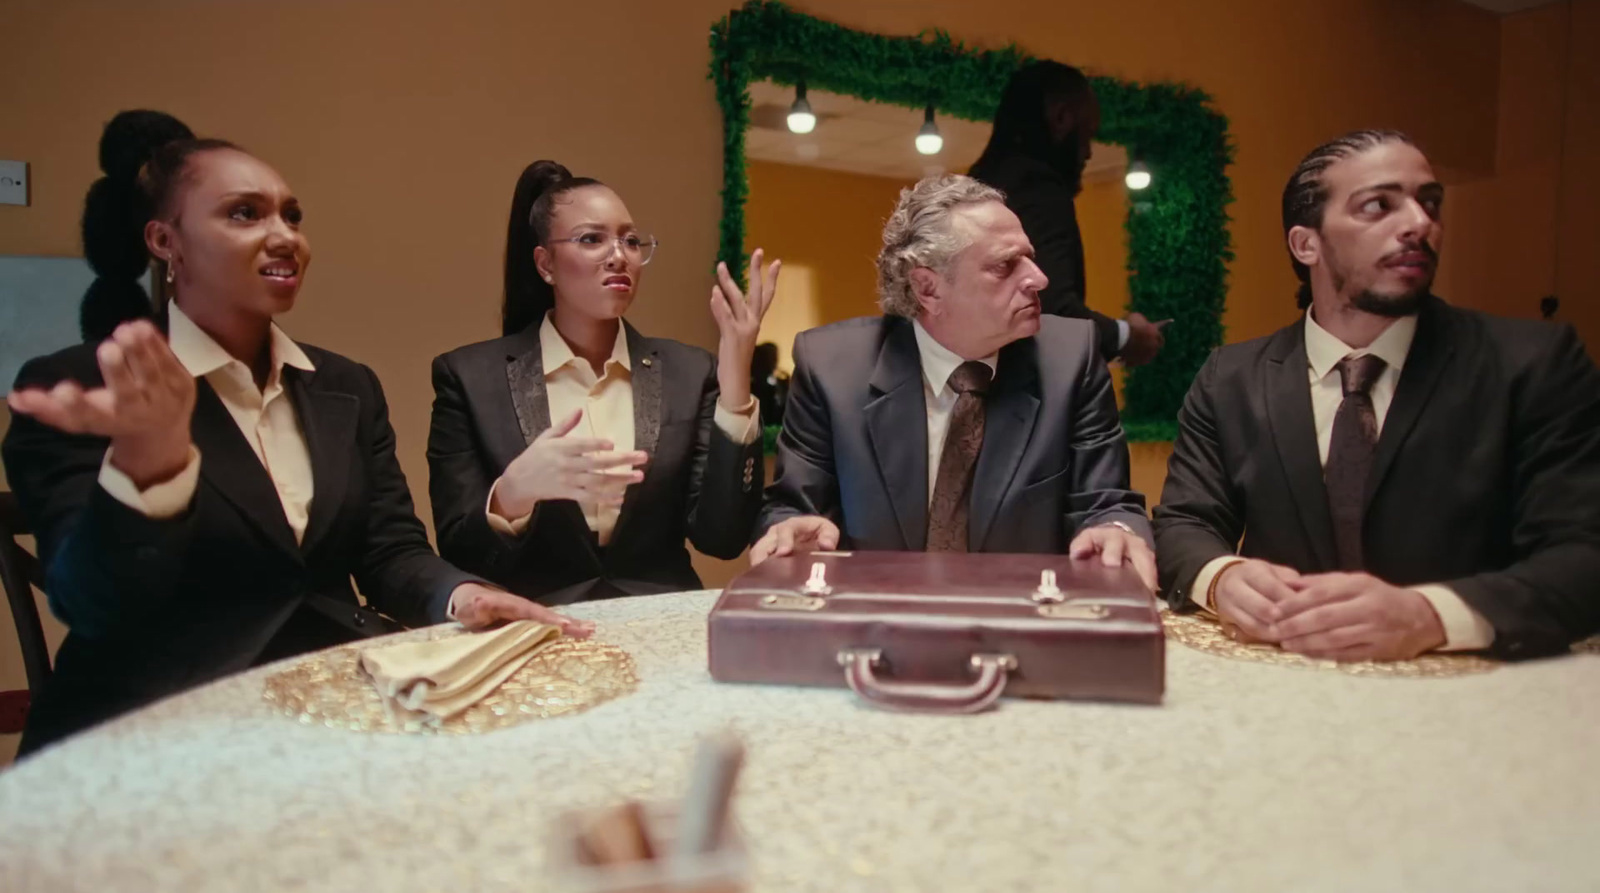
column 952, row 488
column 1355, row 438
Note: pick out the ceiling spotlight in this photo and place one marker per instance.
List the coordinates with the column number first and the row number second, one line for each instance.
column 1138, row 175
column 929, row 142
column 801, row 118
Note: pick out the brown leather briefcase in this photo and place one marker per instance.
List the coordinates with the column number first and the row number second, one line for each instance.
column 942, row 632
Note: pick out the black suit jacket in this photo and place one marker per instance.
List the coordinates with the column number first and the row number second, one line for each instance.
column 854, row 445
column 489, row 404
column 1486, row 478
column 157, row 606
column 1044, row 201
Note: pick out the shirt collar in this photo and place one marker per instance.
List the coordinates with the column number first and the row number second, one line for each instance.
column 1324, row 350
column 202, row 355
column 555, row 352
column 939, row 361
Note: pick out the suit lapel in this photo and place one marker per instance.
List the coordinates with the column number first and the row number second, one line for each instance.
column 328, row 420
column 646, row 377
column 229, row 465
column 525, row 377
column 1294, row 433
column 1430, row 354
column 897, row 428
column 1009, row 414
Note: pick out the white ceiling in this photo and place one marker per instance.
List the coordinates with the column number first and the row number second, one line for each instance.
column 861, row 137
column 1504, row 6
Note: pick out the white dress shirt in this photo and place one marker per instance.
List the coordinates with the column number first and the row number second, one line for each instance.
column 265, row 417
column 1464, row 628
column 938, row 362
column 607, row 403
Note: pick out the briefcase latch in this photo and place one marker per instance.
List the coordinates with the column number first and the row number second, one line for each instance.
column 1048, row 592
column 818, row 583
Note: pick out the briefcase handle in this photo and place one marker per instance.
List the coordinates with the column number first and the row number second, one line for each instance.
column 860, row 666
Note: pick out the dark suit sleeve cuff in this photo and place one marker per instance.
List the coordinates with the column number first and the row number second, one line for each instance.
column 449, row 580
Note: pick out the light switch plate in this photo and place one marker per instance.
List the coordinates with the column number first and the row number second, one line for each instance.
column 13, row 182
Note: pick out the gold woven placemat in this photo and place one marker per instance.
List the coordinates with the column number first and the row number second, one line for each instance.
column 1204, row 634
column 567, row 676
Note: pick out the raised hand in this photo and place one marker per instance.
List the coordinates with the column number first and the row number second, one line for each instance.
column 559, row 466
column 144, row 407
column 738, row 323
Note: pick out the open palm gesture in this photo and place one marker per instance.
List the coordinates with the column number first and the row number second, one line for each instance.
column 738, row 319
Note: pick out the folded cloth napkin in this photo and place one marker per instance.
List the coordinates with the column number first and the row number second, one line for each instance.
column 434, row 680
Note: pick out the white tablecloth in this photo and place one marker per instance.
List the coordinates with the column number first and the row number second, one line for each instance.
column 1250, row 777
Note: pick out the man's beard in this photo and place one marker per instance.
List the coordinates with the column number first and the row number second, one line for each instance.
column 1390, row 306
column 1369, row 301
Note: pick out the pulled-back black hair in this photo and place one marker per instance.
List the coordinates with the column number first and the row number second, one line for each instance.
column 527, row 296
column 1305, row 197
column 144, row 155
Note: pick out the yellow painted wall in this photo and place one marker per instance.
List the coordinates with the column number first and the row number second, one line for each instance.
column 1501, row 230
column 827, row 227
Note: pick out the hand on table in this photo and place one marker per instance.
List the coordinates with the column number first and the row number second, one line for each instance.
column 479, row 607
column 1116, row 547
column 1354, row 617
column 1247, row 596
column 807, row 533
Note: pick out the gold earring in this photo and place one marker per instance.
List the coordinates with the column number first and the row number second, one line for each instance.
column 170, row 274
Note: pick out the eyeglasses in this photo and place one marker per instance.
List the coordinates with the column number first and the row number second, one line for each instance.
column 635, row 247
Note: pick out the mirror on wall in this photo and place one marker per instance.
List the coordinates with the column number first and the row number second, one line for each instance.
column 818, row 199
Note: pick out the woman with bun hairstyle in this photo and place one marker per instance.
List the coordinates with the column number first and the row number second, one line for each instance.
column 203, row 495
column 571, row 458
column 115, row 296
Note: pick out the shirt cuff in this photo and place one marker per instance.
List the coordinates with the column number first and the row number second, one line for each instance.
column 742, row 426
column 167, row 499
column 498, row 525
column 1199, row 592
column 1464, row 628
column 1122, row 334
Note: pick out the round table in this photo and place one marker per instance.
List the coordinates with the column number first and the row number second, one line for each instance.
column 1249, row 777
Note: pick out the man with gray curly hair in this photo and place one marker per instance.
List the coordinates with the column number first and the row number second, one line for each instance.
column 959, row 420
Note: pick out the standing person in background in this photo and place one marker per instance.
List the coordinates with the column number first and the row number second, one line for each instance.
column 768, row 383
column 1043, row 131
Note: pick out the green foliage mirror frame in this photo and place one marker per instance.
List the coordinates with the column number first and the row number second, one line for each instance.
column 1178, row 245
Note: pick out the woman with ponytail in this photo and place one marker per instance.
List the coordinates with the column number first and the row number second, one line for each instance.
column 571, row 458
column 203, row 495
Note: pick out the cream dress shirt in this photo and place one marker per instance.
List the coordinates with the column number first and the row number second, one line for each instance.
column 1464, row 628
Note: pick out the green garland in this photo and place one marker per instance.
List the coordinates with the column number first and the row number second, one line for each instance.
column 1178, row 244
